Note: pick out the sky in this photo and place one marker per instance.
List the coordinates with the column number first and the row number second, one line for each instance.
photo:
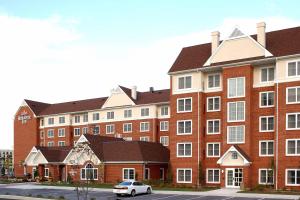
column 62, row 50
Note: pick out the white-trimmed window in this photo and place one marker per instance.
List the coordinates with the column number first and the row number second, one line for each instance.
column 292, row 177
column 213, row 81
column 164, row 140
column 161, row 174
column 266, row 148
column 77, row 119
column 96, row 130
column 213, row 104
column 127, row 127
column 61, row 132
column 185, row 82
column 76, row 131
column 89, row 172
column 213, row 149
column 184, row 105
column 266, row 123
column 144, row 126
column 184, row 175
column 85, row 118
column 266, row 176
column 235, row 134
column 61, row 120
column 267, row 74
column 292, row 121
column 144, row 112
column 41, row 134
column 147, row 174
column 50, row 133
column 293, row 68
column 50, row 144
column 127, row 138
column 293, row 147
column 50, row 120
column 110, row 115
column 293, row 95
column 184, row 127
column 145, row 138
column 212, row 175
column 213, row 126
column 42, row 122
column 127, row 113
column 164, row 126
column 96, row 116
column 85, row 130
column 110, row 129
column 128, row 173
column 164, row 111
column 236, row 87
column 236, row 111
column 266, row 99
column 46, row 172
column 184, row 149
column 61, row 143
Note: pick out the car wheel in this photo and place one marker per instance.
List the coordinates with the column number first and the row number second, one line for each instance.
column 148, row 191
column 133, row 193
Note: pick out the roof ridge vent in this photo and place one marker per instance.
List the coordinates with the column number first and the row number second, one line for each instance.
column 236, row 33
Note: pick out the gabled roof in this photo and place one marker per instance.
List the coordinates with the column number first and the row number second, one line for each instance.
column 54, row 154
column 237, row 149
column 36, row 107
column 280, row 43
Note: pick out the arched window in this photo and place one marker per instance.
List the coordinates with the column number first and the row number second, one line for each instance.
column 89, row 172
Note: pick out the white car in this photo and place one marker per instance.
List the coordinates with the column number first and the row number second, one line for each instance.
column 131, row 188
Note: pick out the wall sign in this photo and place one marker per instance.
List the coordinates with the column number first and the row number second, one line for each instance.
column 24, row 117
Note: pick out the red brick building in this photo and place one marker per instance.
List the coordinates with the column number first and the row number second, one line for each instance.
column 229, row 119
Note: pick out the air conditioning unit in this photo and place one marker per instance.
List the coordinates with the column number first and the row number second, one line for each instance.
column 118, row 135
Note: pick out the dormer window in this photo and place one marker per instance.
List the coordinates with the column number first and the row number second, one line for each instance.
column 294, row 68
column 214, row 81
column 267, row 74
column 185, row 82
column 110, row 115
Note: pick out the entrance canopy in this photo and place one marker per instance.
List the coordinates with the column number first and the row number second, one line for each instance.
column 234, row 156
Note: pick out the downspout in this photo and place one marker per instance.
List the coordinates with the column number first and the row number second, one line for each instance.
column 198, row 132
column 276, row 164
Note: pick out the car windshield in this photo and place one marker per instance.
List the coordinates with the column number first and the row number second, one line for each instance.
column 125, row 183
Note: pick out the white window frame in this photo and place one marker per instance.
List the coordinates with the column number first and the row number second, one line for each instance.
column 78, row 119
column 145, row 138
column 184, row 144
column 96, row 116
column 213, row 143
column 267, row 141
column 286, row 147
column 184, row 127
column 94, row 133
column 228, row 111
column 286, row 176
column 76, row 135
column 287, row 96
column 146, row 130
column 110, row 115
column 145, row 112
column 52, row 130
column 184, row 99
column 111, row 132
column 184, row 77
column 64, row 132
column 260, row 124
column 52, row 144
column 51, row 119
column 213, row 133
column 267, row 176
column 61, row 142
column 214, row 169
column 127, row 124
column 163, row 124
column 85, row 118
column 296, row 119
column 227, row 135
column 85, row 130
column 85, row 169
column 214, row 109
column 287, row 69
column 163, row 143
column 64, row 120
column 149, row 177
column 123, row 170
column 164, row 110
column 126, row 113
column 236, row 87
column 268, row 81
column 185, row 169
column 267, row 106
column 46, row 174
column 214, row 87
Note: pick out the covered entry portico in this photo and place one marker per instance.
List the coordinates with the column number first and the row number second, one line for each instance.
column 234, row 167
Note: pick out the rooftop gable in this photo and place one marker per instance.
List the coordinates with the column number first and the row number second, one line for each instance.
column 118, row 98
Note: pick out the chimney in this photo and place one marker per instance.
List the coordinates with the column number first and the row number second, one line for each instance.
column 134, row 92
column 151, row 89
column 215, row 41
column 261, row 33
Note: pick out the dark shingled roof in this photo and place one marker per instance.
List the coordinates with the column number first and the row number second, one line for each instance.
column 280, row 43
column 54, row 154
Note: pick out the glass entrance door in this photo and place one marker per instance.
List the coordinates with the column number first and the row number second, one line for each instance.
column 234, row 177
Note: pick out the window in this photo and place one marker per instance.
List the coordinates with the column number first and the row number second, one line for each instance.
column 127, row 138
column 164, row 110
column 128, row 174
column 145, row 139
column 61, row 132
column 213, row 81
column 293, row 95
column 184, row 175
column 236, row 111
column 266, row 123
column 76, row 131
column 144, row 112
column 234, row 155
column 127, row 113
column 185, row 82
column 89, row 172
column 236, row 87
column 294, row 68
column 292, row 177
column 46, row 172
column 266, row 148
column 61, row 143
column 85, row 130
column 293, row 147
column 50, row 133
column 184, row 127
column 164, row 126
column 235, row 134
column 293, row 121
column 127, row 128
column 110, row 129
column 77, row 119
column 184, row 105
column 85, row 118
column 213, row 126
column 267, row 74
column 96, row 130
column 62, row 120
column 147, row 174
column 266, row 176
column 50, row 144
column 161, row 173
column 213, row 150
column 50, row 121
column 42, row 122
column 96, row 116
column 110, row 115
column 42, row 134
column 144, row 126
column 164, row 140
column 184, row 149
column 266, row 99
column 213, row 104
column 213, row 176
